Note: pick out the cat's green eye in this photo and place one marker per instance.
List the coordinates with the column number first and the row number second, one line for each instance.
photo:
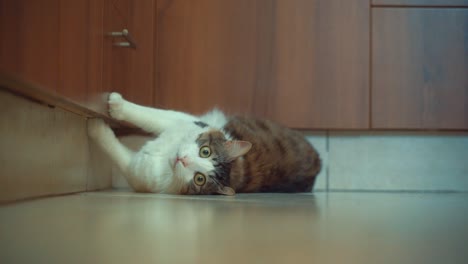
column 205, row 152
column 199, row 179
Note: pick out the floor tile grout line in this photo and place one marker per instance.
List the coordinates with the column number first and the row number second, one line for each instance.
column 327, row 168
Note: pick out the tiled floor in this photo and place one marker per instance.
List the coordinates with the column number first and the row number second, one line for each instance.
column 122, row 227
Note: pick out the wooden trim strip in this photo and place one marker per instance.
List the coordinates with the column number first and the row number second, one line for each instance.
column 38, row 94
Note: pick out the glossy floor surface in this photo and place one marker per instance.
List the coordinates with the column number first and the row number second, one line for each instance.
column 123, row 227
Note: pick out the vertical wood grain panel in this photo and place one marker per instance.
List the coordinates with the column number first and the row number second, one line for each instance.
column 206, row 54
column 141, row 21
column 30, row 40
column 264, row 60
column 96, row 92
column 107, row 47
column 321, row 64
column 10, row 13
column 302, row 63
column 130, row 71
column 116, row 59
column 56, row 44
column 420, row 66
column 74, row 38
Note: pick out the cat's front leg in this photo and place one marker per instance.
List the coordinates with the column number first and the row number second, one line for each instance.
column 116, row 106
column 103, row 136
column 147, row 118
column 98, row 130
column 140, row 177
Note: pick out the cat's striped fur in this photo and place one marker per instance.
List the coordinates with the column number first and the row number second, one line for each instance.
column 280, row 160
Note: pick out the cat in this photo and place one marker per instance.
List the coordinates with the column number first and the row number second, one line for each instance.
column 210, row 154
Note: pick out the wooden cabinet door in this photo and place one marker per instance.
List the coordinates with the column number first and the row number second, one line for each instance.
column 208, row 54
column 61, row 46
column 55, row 45
column 420, row 68
column 304, row 63
column 126, row 70
column 320, row 65
column 73, row 49
column 29, row 45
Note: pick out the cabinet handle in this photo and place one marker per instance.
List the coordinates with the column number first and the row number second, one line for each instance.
column 130, row 42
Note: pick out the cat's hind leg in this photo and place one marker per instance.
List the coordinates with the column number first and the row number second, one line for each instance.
column 150, row 119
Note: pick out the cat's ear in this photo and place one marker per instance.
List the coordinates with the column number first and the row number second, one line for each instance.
column 237, row 148
column 225, row 190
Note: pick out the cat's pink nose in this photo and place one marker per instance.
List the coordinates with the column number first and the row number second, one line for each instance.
column 183, row 160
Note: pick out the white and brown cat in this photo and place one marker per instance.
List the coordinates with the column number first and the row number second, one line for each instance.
column 209, row 154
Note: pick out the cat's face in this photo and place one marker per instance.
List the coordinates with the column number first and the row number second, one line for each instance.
column 204, row 163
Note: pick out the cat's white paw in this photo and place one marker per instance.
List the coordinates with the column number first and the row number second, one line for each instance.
column 97, row 128
column 116, row 106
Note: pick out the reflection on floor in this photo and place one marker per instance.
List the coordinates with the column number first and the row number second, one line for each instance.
column 123, row 227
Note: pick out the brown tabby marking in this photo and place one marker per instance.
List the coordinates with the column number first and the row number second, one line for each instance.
column 281, row 160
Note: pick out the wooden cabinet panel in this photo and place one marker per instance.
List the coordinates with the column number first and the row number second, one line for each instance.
column 54, row 44
column 141, row 23
column 29, row 43
column 61, row 46
column 115, row 63
column 303, row 63
column 207, row 54
column 321, row 64
column 73, row 44
column 130, row 71
column 420, row 3
column 420, row 66
column 96, row 96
